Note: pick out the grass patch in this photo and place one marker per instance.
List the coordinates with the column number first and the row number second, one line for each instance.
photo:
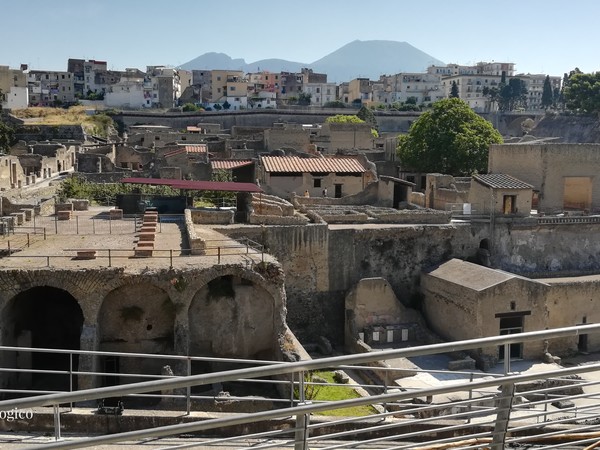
column 335, row 392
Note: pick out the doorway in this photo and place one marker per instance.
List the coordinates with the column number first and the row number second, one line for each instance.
column 337, row 190
column 511, row 325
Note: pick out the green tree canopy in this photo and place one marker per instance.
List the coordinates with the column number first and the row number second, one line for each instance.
column 7, row 136
column 449, row 139
column 344, row 118
column 512, row 95
column 547, row 93
column 582, row 91
column 454, row 90
column 366, row 115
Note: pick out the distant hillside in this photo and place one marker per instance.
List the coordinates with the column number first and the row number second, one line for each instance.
column 368, row 59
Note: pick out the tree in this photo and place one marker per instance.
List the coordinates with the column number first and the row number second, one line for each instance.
column 304, row 99
column 582, row 91
column 226, row 105
column 512, row 95
column 344, row 118
column 367, row 115
column 7, row 136
column 454, row 90
column 450, row 139
column 547, row 93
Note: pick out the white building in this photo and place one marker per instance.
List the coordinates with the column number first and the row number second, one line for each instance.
column 13, row 87
column 423, row 87
column 320, row 93
column 470, row 89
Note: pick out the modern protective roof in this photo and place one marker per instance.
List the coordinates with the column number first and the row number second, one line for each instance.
column 228, row 164
column 228, row 186
column 501, row 181
column 296, row 164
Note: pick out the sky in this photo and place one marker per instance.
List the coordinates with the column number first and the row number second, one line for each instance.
column 539, row 36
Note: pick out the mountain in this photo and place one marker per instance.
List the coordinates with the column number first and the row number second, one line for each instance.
column 368, row 59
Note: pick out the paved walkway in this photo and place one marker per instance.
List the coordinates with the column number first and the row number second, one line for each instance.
column 34, row 248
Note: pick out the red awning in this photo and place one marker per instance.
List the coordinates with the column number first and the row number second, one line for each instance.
column 228, row 186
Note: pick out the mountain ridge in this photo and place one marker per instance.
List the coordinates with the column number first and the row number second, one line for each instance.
column 367, row 59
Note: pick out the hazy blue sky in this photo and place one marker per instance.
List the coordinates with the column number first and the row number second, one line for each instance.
column 539, row 36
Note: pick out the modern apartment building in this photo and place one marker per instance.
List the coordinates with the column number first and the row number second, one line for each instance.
column 48, row 88
column 423, row 87
column 13, row 88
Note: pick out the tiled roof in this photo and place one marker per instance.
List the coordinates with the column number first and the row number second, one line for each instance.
column 296, row 164
column 501, row 181
column 228, row 164
column 199, row 148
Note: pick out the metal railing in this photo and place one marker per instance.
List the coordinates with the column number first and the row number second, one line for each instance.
column 549, row 409
column 243, row 248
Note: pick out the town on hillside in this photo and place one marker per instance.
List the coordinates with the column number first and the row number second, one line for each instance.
column 91, row 83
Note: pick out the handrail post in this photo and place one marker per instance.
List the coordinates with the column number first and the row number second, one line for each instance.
column 8, row 243
column 109, row 225
column 301, row 436
column 76, row 224
column 470, row 408
column 171, row 258
column 56, row 223
column 70, row 379
column 506, row 359
column 47, row 261
column 109, row 259
column 93, row 225
column 56, row 423
column 188, row 390
column 503, row 407
column 218, row 255
column 28, row 240
column 44, row 233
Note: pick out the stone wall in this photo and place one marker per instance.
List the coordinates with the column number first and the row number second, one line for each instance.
column 166, row 325
column 545, row 167
column 322, row 265
column 49, row 132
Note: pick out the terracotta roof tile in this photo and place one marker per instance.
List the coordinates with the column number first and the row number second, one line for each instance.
column 199, row 148
column 229, row 164
column 296, row 164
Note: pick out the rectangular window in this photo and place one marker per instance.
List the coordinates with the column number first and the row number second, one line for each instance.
column 317, row 182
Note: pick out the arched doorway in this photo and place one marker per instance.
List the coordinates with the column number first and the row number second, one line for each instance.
column 232, row 317
column 136, row 318
column 43, row 317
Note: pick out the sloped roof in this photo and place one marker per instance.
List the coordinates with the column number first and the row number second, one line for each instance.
column 196, row 185
column 197, row 148
column 228, row 164
column 296, row 164
column 501, row 181
column 469, row 275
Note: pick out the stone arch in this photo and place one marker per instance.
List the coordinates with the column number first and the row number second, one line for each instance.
column 233, row 315
column 136, row 318
column 42, row 317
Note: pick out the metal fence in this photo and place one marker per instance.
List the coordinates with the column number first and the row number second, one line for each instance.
column 554, row 408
